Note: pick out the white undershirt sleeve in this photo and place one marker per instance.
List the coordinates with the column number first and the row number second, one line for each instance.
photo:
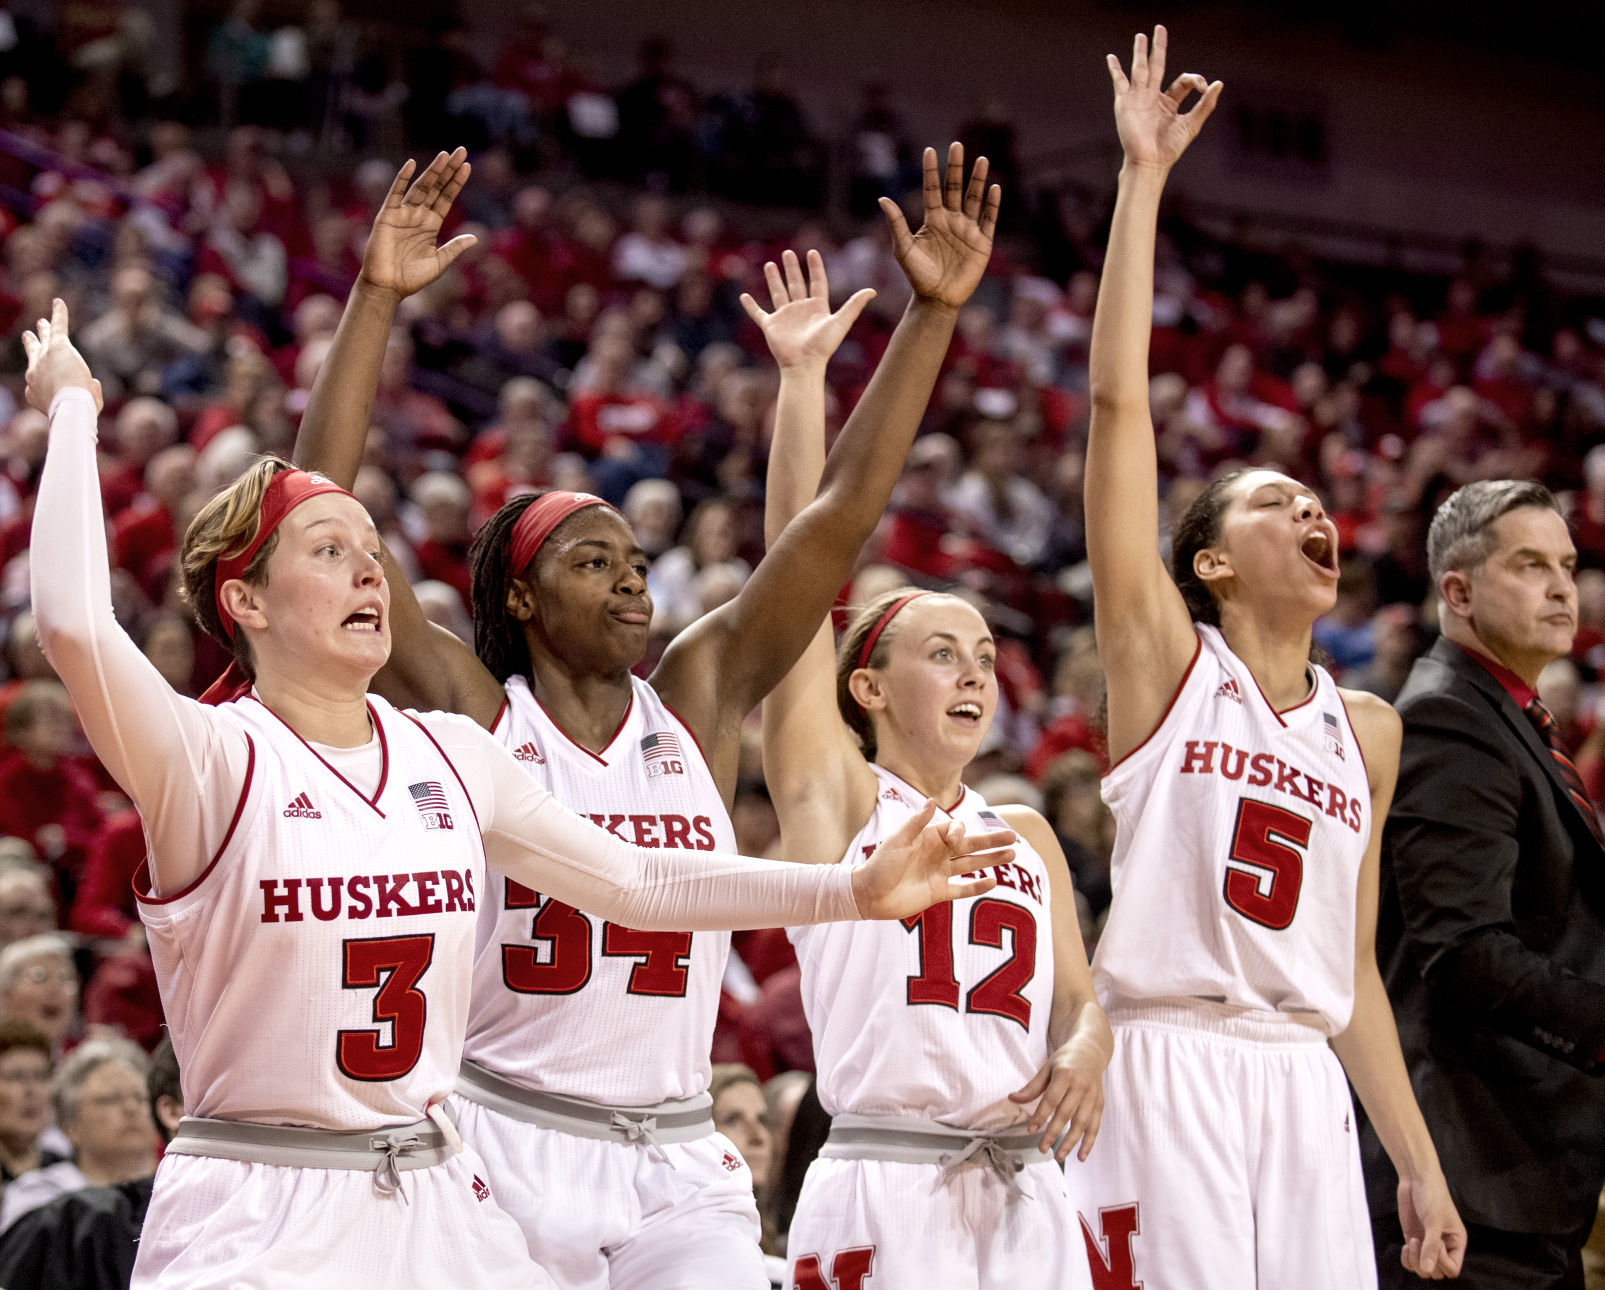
column 181, row 767
column 539, row 842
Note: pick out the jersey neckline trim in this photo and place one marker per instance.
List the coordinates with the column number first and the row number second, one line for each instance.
column 384, row 756
column 600, row 757
column 964, row 791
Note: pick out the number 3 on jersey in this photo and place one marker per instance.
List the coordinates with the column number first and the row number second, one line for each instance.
column 394, row 964
column 566, row 966
column 1269, row 840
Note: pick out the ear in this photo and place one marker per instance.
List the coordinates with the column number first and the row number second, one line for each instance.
column 1212, row 565
column 1454, row 590
column 520, row 600
column 865, row 687
column 244, row 604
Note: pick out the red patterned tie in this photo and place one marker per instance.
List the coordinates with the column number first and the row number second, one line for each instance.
column 1540, row 716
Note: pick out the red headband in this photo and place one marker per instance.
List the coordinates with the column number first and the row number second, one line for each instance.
column 540, row 517
column 880, row 625
column 285, row 491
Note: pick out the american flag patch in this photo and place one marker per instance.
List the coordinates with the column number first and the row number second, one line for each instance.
column 432, row 803
column 996, row 821
column 661, row 752
column 1333, row 735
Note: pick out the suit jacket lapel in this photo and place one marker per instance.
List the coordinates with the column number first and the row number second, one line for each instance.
column 1466, row 667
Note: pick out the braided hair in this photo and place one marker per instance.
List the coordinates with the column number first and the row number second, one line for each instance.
column 498, row 636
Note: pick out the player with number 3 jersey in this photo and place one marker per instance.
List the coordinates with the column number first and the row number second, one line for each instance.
column 958, row 1051
column 317, row 862
column 1249, row 792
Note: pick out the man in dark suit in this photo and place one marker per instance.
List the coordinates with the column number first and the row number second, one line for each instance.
column 1491, row 934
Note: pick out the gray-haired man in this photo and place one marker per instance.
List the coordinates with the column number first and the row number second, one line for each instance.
column 1491, row 934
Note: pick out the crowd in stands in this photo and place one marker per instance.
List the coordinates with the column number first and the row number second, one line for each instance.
column 593, row 340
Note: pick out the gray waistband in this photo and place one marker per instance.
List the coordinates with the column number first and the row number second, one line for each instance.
column 904, row 1140
column 386, row 1152
column 684, row 1120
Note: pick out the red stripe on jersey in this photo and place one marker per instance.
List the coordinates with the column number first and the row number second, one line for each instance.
column 1198, row 648
column 384, row 756
column 142, row 874
column 612, row 739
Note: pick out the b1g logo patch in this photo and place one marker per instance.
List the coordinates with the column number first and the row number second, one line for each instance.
column 662, row 755
column 434, row 808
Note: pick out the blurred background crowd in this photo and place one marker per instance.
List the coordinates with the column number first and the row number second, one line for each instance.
column 205, row 230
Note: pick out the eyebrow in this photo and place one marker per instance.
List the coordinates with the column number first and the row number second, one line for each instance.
column 604, row 545
column 336, row 519
column 948, row 636
column 1542, row 555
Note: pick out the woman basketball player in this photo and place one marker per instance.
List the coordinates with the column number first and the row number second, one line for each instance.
column 316, row 858
column 1249, row 795
column 557, row 1084
column 960, row 1052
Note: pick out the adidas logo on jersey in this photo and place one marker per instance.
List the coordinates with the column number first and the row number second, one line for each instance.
column 890, row 794
column 481, row 1189
column 301, row 808
column 732, row 1162
column 1228, row 690
column 529, row 752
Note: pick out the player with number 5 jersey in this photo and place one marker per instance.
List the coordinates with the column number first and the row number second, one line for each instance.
column 588, row 1048
column 1238, row 964
column 958, row 1051
column 317, row 860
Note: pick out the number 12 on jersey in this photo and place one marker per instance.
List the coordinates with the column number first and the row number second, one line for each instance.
column 998, row 993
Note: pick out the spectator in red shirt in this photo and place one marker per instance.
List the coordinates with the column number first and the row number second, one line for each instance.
column 443, row 503
column 46, row 796
column 144, row 427
column 625, row 429
column 145, row 534
column 104, row 902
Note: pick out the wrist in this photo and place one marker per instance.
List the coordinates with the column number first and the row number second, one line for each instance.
column 371, row 292
column 935, row 308
column 811, row 368
column 857, row 889
column 1145, row 173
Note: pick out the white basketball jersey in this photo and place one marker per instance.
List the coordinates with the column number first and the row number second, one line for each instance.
column 941, row 1015
column 1240, row 833
column 564, row 1002
column 317, row 972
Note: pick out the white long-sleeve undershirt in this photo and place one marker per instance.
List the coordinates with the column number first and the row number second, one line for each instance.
column 184, row 768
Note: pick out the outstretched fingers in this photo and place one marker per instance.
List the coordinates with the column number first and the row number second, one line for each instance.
column 778, row 295
column 975, row 194
column 1139, row 62
column 424, row 188
column 1116, row 74
column 953, row 186
column 896, row 225
column 796, row 288
column 456, row 176
column 855, row 305
column 1156, row 56
column 818, row 280
column 989, row 212
column 398, row 185
column 933, row 180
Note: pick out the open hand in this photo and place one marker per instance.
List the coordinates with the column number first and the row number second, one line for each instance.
column 1068, row 1091
column 802, row 331
column 54, row 364
column 923, row 864
column 1434, row 1236
column 944, row 261
column 401, row 255
column 1154, row 131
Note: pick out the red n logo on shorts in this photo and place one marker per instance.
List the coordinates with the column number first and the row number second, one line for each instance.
column 848, row 1270
column 1110, row 1252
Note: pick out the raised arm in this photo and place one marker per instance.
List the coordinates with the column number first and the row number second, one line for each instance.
column 1145, row 635
column 719, row 668
column 815, row 772
column 429, row 667
column 178, row 765
column 1435, row 1237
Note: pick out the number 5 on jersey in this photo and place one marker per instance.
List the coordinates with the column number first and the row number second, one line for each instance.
column 1267, row 863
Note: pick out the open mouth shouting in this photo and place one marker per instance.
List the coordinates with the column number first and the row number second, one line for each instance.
column 364, row 620
column 1319, row 547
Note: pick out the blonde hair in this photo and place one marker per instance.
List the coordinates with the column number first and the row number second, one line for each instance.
column 852, row 644
column 226, row 525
